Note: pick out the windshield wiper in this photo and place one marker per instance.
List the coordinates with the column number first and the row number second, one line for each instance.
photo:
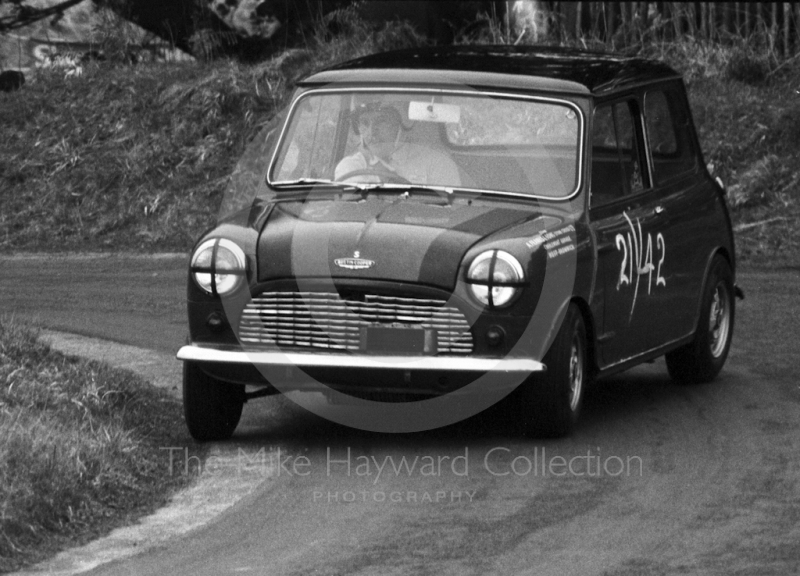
column 315, row 182
column 410, row 188
column 366, row 187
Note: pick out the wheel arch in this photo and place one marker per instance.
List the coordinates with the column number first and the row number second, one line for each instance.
column 591, row 332
column 723, row 253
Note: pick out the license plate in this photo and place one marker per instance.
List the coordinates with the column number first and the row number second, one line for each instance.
column 391, row 340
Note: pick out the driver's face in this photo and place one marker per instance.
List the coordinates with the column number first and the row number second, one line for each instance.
column 379, row 132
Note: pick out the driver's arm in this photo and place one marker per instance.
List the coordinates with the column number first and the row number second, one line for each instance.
column 349, row 164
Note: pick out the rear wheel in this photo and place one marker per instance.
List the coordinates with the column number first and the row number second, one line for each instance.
column 702, row 359
column 550, row 403
column 211, row 408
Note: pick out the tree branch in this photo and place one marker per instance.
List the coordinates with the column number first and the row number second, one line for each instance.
column 23, row 15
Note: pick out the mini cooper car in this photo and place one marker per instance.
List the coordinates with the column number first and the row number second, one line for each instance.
column 465, row 222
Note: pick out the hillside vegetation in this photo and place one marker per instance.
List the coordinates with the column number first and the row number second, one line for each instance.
column 138, row 157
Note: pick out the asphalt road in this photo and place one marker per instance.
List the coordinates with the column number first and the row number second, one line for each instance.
column 660, row 479
column 136, row 300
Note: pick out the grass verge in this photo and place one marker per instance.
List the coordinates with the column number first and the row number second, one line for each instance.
column 80, row 447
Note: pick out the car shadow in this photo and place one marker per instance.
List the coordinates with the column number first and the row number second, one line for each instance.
column 611, row 403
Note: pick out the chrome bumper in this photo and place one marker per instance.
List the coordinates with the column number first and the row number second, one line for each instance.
column 314, row 360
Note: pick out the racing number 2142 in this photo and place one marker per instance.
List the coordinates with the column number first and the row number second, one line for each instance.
column 638, row 261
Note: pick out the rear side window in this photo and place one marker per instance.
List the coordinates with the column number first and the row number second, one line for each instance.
column 616, row 166
column 668, row 134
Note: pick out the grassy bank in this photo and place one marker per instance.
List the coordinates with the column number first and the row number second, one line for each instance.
column 138, row 157
column 80, row 447
column 746, row 106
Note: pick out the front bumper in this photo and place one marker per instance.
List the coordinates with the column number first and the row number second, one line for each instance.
column 391, row 374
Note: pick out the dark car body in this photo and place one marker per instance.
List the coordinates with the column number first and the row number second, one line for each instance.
column 601, row 231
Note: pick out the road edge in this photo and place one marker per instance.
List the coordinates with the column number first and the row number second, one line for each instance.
column 214, row 491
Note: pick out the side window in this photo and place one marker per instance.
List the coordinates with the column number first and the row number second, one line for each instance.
column 616, row 168
column 668, row 134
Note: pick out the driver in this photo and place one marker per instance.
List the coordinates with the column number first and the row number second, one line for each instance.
column 382, row 152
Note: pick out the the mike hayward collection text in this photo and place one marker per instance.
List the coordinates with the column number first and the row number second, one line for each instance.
column 499, row 461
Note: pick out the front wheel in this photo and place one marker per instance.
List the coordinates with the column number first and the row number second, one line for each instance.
column 211, row 408
column 550, row 403
column 702, row 359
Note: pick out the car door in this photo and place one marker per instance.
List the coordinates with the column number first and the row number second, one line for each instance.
column 626, row 220
column 687, row 201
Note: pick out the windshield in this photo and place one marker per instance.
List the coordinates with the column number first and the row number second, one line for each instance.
column 462, row 140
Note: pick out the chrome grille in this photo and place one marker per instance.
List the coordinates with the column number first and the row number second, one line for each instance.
column 322, row 320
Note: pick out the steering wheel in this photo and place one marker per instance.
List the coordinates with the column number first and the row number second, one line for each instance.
column 384, row 175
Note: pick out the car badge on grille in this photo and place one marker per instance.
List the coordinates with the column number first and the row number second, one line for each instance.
column 354, row 263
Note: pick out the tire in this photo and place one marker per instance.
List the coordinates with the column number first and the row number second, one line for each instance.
column 550, row 403
column 211, row 408
column 702, row 359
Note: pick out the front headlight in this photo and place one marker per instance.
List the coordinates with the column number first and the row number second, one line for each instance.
column 495, row 278
column 218, row 266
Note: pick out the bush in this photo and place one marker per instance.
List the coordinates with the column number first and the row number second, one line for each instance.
column 747, row 67
column 785, row 130
column 754, row 185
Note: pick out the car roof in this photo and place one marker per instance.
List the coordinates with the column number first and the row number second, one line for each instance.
column 519, row 67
